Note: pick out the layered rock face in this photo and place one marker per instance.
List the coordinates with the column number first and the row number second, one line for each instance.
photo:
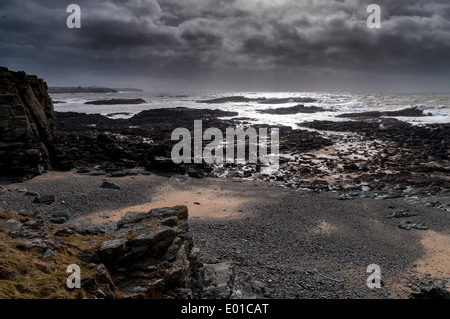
column 27, row 125
column 145, row 255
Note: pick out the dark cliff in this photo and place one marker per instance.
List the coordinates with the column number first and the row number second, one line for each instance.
column 27, row 125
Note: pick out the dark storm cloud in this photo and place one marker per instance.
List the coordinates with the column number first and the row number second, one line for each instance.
column 177, row 38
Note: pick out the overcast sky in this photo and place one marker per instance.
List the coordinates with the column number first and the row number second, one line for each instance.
column 287, row 45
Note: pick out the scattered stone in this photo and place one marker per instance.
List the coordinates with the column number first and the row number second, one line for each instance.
column 47, row 199
column 402, row 213
column 110, row 185
column 32, row 194
column 409, row 225
column 17, row 190
column 348, row 196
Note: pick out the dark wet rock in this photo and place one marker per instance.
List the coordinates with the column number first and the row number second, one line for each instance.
column 288, row 100
column 262, row 100
column 80, row 89
column 228, row 99
column 293, row 110
column 410, row 112
column 141, row 141
column 351, row 167
column 32, row 194
column 117, row 102
column 119, row 114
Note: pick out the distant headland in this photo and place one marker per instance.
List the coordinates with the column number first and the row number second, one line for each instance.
column 90, row 89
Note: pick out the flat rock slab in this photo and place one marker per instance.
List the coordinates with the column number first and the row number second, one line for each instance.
column 47, row 199
column 110, row 185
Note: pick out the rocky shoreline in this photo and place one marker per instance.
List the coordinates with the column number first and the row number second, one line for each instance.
column 373, row 154
column 347, row 194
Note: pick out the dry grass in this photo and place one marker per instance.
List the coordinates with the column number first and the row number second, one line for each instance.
column 25, row 274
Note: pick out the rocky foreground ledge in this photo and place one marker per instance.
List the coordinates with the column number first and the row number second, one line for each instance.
column 143, row 255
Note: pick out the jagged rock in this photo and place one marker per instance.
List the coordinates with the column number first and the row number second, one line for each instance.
column 144, row 255
column 88, row 257
column 31, row 229
column 59, row 217
column 86, row 227
column 432, row 289
column 100, row 284
column 27, row 125
column 111, row 249
column 218, row 281
column 9, row 225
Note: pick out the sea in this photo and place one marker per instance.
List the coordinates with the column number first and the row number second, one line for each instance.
column 435, row 105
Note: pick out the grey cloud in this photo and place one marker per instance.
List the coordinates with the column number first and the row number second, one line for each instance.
column 164, row 38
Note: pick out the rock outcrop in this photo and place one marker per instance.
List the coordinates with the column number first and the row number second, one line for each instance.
column 143, row 255
column 27, row 125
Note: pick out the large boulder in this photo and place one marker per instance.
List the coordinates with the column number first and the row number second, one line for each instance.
column 27, row 125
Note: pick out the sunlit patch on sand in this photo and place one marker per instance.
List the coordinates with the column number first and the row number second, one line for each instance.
column 201, row 202
column 436, row 260
column 434, row 263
